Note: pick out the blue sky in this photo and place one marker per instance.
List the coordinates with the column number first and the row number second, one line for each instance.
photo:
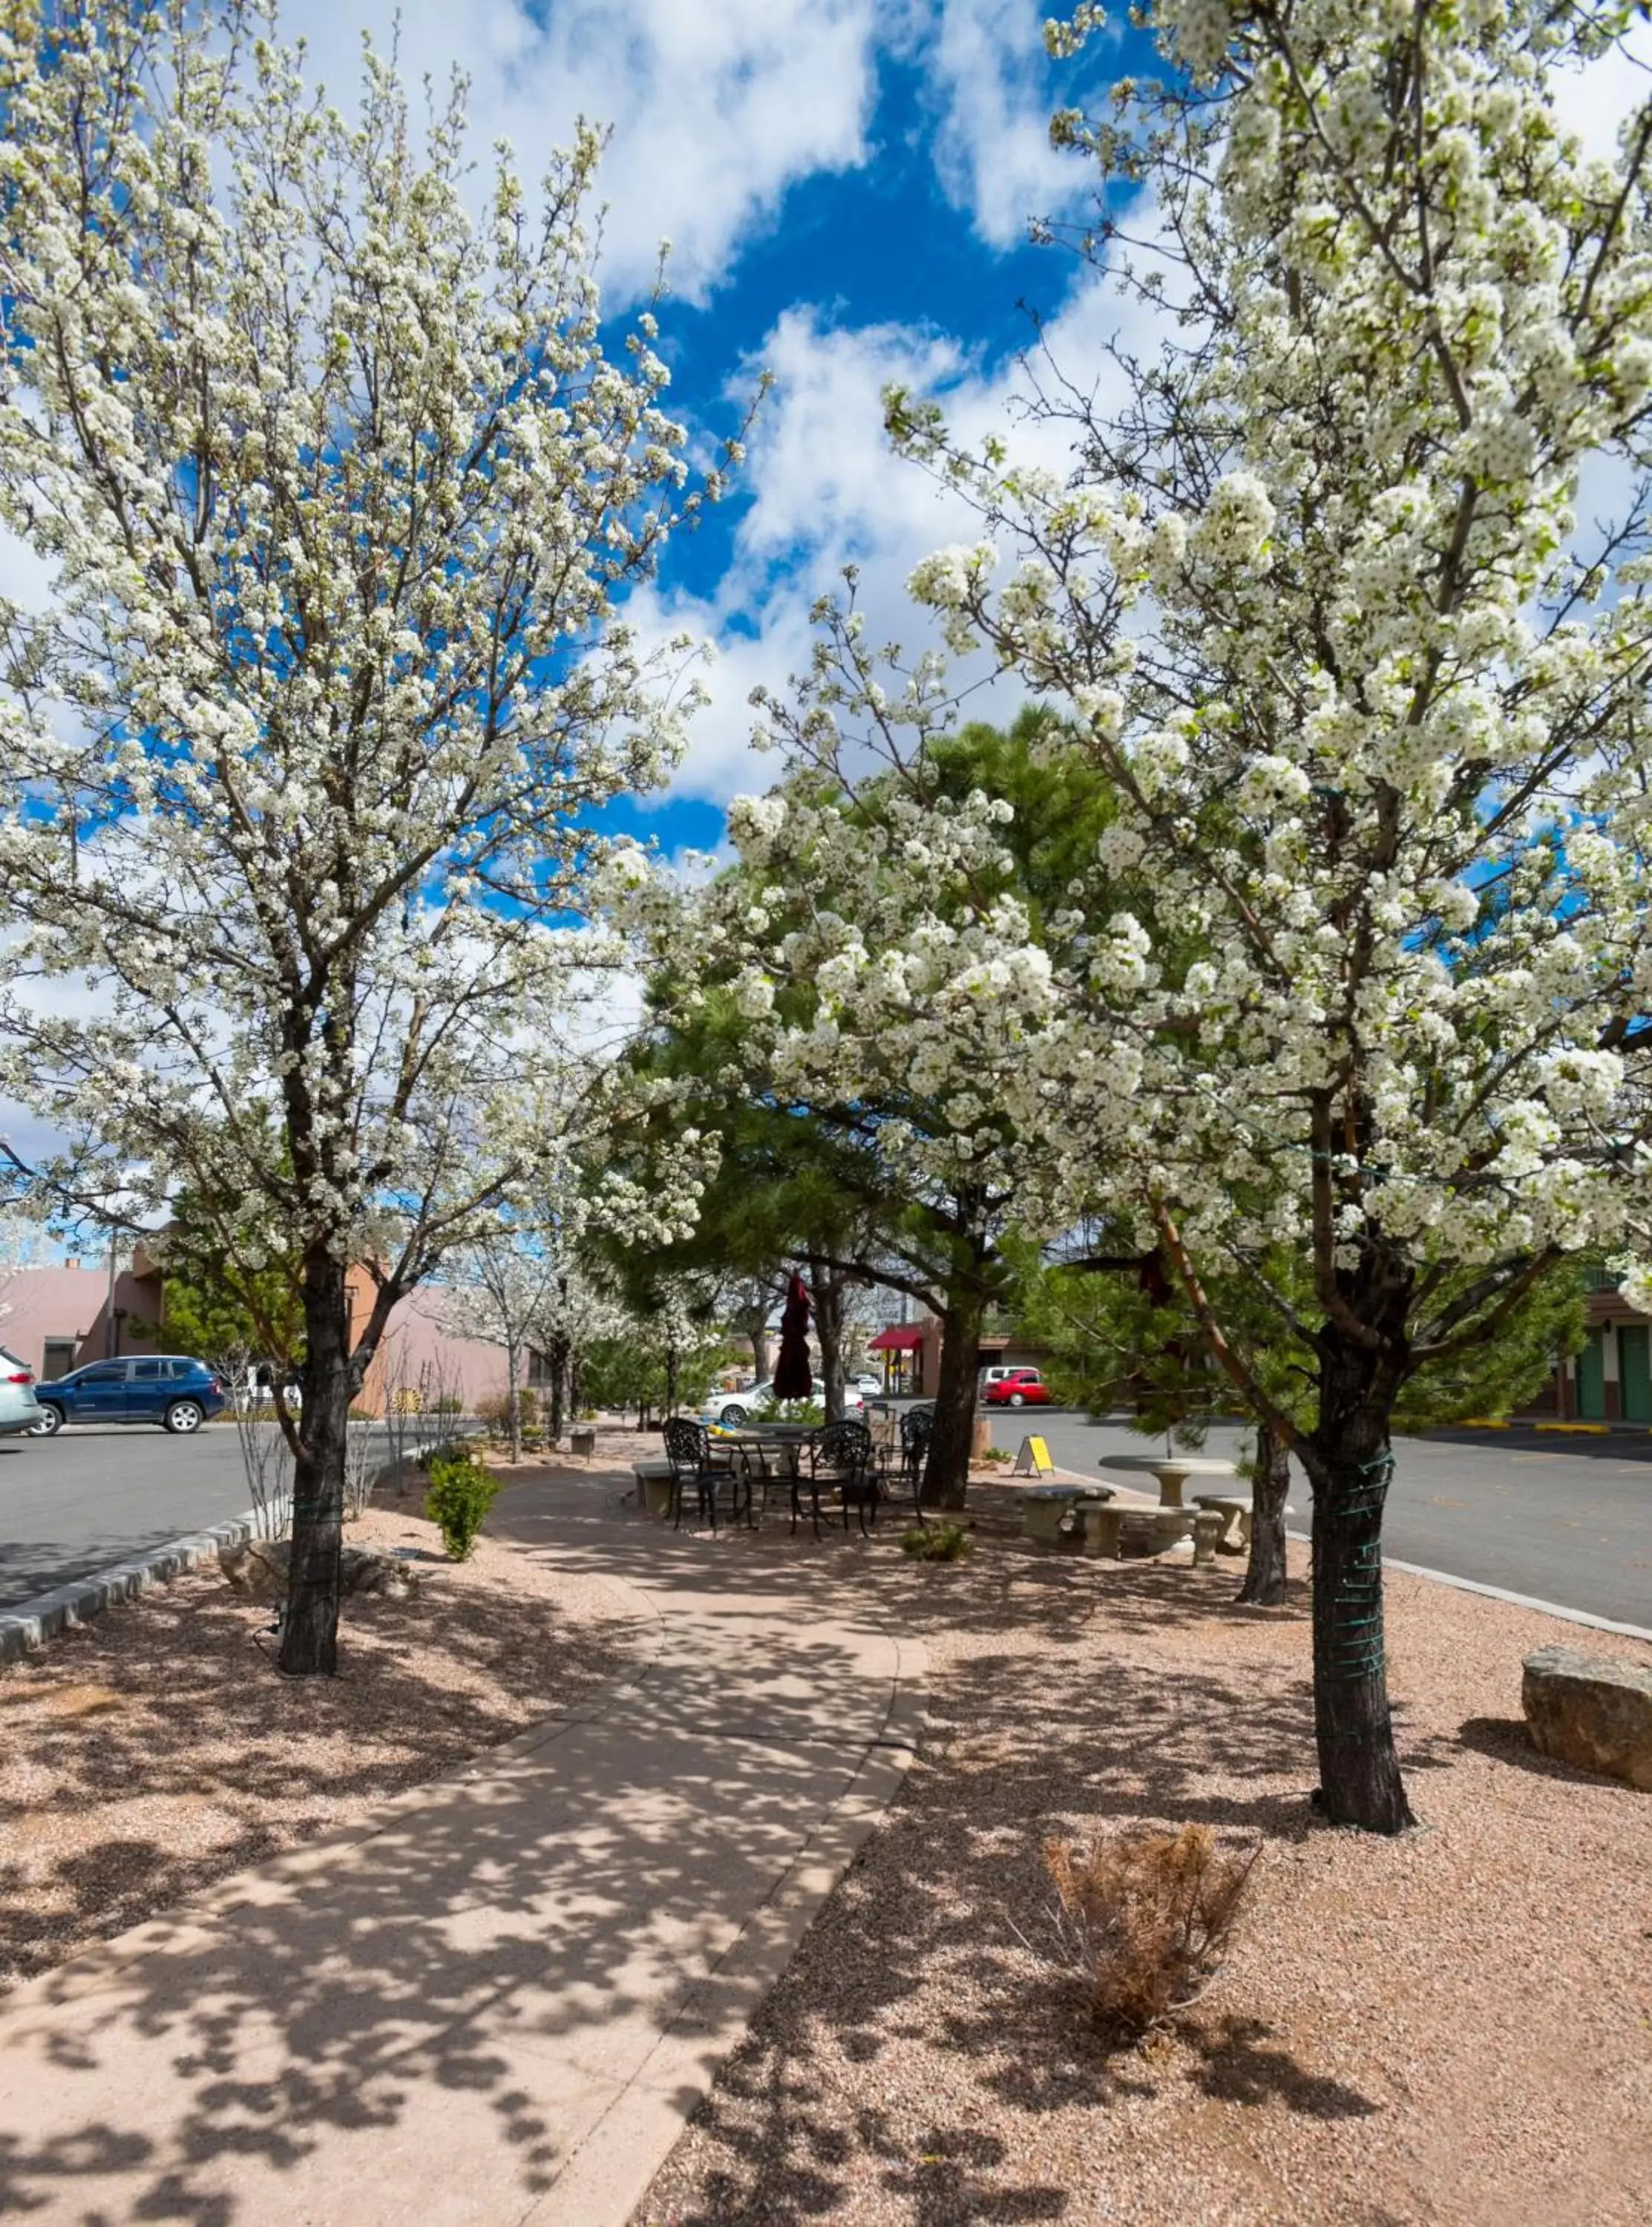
column 847, row 185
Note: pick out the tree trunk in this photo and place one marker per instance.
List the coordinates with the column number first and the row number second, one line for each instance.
column 760, row 1351
column 560, row 1368
column 946, row 1472
column 309, row 1635
column 826, row 1288
column 1265, row 1577
column 1352, row 1461
column 671, row 1380
column 514, row 1394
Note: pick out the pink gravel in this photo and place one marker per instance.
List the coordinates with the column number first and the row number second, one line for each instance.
column 1454, row 2027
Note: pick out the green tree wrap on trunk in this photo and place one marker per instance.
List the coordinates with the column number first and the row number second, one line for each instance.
column 1359, row 1771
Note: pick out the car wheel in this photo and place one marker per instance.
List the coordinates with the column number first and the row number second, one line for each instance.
column 732, row 1418
column 183, row 1415
column 1017, row 1399
column 50, row 1423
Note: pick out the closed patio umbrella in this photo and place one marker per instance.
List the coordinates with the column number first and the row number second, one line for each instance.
column 793, row 1378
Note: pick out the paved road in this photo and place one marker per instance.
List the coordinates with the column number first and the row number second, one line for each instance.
column 89, row 1497
column 1562, row 1519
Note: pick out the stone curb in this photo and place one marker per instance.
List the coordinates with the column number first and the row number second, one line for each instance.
column 32, row 1623
column 1582, row 1616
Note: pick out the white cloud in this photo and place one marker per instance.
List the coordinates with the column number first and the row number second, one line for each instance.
column 992, row 149
column 715, row 106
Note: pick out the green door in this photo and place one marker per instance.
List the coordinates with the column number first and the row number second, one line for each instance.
column 1635, row 1368
column 1591, row 1380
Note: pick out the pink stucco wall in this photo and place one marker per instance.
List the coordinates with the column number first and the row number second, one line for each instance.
column 38, row 1305
column 68, row 1304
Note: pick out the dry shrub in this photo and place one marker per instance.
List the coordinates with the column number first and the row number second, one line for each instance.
column 1145, row 1921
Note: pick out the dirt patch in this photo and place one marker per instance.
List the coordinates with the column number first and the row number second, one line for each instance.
column 150, row 1752
column 1453, row 2028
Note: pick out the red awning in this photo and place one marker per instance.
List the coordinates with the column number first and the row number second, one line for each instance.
column 903, row 1337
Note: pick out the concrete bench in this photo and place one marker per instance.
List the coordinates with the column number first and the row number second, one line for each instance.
column 654, row 1485
column 1235, row 1508
column 1045, row 1508
column 1105, row 1523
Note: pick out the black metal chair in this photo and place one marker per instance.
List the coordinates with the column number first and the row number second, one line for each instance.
column 905, row 1475
column 840, row 1460
column 688, row 1449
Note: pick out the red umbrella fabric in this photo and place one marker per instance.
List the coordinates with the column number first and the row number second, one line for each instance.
column 793, row 1378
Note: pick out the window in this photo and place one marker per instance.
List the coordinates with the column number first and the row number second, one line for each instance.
column 180, row 1368
column 148, row 1372
column 106, row 1372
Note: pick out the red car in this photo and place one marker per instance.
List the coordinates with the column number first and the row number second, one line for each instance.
column 1022, row 1387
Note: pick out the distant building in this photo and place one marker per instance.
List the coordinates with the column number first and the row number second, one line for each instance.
column 1609, row 1381
column 59, row 1318
column 909, row 1354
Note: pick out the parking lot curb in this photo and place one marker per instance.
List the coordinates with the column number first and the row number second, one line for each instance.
column 34, row 1622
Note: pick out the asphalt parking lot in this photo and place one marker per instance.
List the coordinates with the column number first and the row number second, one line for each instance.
column 1560, row 1519
column 89, row 1497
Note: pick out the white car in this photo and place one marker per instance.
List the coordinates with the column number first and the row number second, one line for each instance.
column 750, row 1406
column 19, row 1409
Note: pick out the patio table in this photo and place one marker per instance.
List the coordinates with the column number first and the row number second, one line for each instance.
column 1173, row 1470
column 770, row 1453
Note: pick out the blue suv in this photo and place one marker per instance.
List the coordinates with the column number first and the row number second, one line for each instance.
column 159, row 1388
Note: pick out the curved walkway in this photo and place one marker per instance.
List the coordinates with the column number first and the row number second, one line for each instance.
column 498, row 2002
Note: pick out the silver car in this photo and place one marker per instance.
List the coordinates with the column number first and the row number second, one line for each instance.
column 19, row 1409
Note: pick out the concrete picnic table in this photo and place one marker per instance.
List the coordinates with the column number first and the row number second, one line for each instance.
column 1045, row 1507
column 1173, row 1470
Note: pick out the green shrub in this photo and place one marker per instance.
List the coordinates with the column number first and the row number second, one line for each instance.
column 461, row 1491
column 448, row 1404
column 938, row 1542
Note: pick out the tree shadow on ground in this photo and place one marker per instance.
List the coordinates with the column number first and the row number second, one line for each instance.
column 175, row 1704
column 339, row 1997
column 955, row 1884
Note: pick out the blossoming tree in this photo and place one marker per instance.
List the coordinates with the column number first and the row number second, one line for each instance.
column 340, row 492
column 875, row 974
column 1372, row 700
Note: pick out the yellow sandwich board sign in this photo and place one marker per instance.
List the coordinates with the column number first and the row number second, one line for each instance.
column 1033, row 1460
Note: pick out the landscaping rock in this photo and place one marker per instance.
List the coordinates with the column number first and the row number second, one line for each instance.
column 259, row 1568
column 1590, row 1711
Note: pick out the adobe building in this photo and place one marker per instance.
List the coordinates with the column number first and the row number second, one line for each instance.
column 58, row 1317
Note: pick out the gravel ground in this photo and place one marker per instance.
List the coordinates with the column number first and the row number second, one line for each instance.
column 154, row 1749
column 1454, row 2027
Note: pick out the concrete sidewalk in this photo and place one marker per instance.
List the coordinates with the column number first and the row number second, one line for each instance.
column 500, row 2001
